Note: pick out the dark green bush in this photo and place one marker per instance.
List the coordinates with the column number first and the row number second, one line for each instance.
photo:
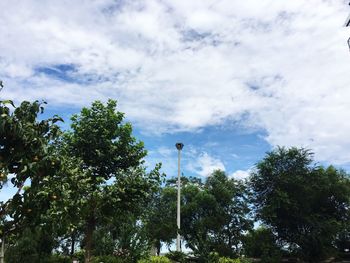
column 215, row 258
column 231, row 260
column 25, row 250
column 261, row 243
column 155, row 259
column 79, row 255
column 109, row 259
column 177, row 256
column 57, row 259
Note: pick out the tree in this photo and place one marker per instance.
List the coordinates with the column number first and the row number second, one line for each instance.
column 160, row 218
column 125, row 237
column 232, row 212
column 32, row 245
column 342, row 241
column 111, row 161
column 304, row 204
column 261, row 243
column 24, row 159
column 58, row 199
column 215, row 216
column 24, row 249
column 25, row 156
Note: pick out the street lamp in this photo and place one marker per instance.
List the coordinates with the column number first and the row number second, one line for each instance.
column 179, row 147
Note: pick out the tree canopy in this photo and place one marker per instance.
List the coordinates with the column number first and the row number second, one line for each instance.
column 111, row 162
column 304, row 204
column 24, row 158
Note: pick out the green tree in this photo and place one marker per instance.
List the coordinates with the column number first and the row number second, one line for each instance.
column 111, row 161
column 215, row 216
column 58, row 200
column 128, row 235
column 160, row 218
column 232, row 212
column 304, row 204
column 32, row 245
column 342, row 241
column 24, row 159
column 24, row 249
column 261, row 243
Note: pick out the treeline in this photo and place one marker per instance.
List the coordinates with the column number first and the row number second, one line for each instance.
column 84, row 193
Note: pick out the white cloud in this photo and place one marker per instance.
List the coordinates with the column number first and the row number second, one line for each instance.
column 279, row 66
column 240, row 174
column 167, row 156
column 205, row 164
column 193, row 161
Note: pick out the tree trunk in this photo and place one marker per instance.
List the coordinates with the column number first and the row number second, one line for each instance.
column 158, row 246
column 88, row 239
column 72, row 247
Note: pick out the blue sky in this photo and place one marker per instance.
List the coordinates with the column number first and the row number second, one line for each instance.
column 230, row 79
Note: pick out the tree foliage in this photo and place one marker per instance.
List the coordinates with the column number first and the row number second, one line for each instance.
column 215, row 215
column 111, row 164
column 261, row 243
column 24, row 158
column 304, row 204
column 160, row 217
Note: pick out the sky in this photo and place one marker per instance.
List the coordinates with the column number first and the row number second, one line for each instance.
column 230, row 79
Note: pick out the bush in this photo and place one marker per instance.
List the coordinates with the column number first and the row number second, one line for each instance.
column 245, row 260
column 215, row 258
column 103, row 243
column 79, row 255
column 155, row 259
column 25, row 250
column 229, row 260
column 177, row 256
column 261, row 243
column 58, row 259
column 108, row 259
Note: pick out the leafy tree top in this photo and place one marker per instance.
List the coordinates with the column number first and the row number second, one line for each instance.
column 24, row 154
column 103, row 143
column 305, row 205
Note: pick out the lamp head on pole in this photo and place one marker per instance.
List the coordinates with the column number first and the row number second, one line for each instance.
column 179, row 145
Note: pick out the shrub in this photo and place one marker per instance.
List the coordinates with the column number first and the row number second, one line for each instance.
column 236, row 260
column 58, row 259
column 215, row 258
column 245, row 260
column 229, row 260
column 261, row 243
column 25, row 250
column 108, row 259
column 177, row 256
column 155, row 259
column 79, row 255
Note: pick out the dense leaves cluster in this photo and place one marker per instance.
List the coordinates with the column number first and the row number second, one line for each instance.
column 304, row 204
column 24, row 156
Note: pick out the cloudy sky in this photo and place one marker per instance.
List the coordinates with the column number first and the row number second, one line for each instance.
column 230, row 79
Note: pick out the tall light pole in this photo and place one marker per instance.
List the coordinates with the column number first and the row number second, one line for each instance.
column 179, row 147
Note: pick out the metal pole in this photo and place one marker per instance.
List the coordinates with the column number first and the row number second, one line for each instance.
column 179, row 147
column 178, row 240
